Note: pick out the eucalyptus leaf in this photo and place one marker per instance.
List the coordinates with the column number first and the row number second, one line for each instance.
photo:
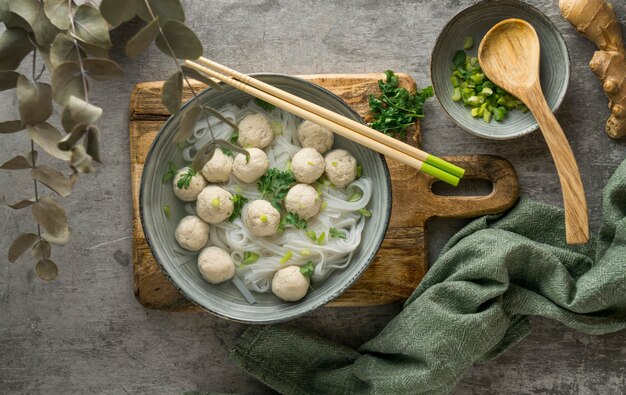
column 34, row 101
column 93, row 143
column 63, row 50
column 91, row 27
column 203, row 156
column 46, row 270
column 103, row 69
column 58, row 11
column 51, row 216
column 11, row 126
column 47, row 137
column 20, row 162
column 187, row 124
column 219, row 116
column 173, row 92
column 182, row 39
column 27, row 10
column 44, row 30
column 69, row 140
column 117, row 12
column 21, row 244
column 53, row 179
column 142, row 40
column 82, row 111
column 8, row 79
column 41, row 250
column 67, row 80
column 14, row 47
column 19, row 205
column 165, row 10
column 196, row 75
column 81, row 161
column 60, row 240
column 10, row 19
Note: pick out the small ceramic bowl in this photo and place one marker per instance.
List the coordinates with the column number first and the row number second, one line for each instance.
column 476, row 21
column 224, row 299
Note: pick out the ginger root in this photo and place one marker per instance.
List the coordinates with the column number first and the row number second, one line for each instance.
column 596, row 20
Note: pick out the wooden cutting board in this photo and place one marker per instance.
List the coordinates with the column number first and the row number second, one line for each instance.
column 401, row 261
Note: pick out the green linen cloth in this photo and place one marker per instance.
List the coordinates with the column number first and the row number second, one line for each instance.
column 471, row 306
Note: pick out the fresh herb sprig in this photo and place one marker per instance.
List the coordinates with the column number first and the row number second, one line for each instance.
column 238, row 202
column 295, row 220
column 396, row 109
column 265, row 105
column 274, row 185
column 307, row 269
column 170, row 173
column 228, row 152
column 185, row 179
column 336, row 233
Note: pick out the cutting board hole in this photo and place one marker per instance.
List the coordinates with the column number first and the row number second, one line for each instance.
column 467, row 187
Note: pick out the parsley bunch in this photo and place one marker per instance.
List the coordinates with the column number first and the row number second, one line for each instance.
column 274, row 185
column 238, row 202
column 396, row 109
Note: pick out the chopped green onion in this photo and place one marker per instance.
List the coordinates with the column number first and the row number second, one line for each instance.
column 277, row 128
column 468, row 43
column 359, row 170
column 356, row 196
column 249, row 258
column 365, row 212
column 321, row 238
column 323, row 205
column 311, row 235
column 305, row 252
column 263, row 218
column 336, row 233
column 216, row 203
column 166, row 210
column 333, row 163
column 286, row 257
column 457, row 94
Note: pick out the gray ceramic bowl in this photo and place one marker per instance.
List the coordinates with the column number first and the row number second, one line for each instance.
column 475, row 21
column 224, row 299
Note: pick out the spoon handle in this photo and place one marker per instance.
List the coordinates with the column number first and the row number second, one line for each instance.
column 574, row 201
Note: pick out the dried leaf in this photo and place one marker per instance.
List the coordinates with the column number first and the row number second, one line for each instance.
column 14, row 47
column 93, row 143
column 117, row 12
column 196, row 75
column 93, row 51
column 142, row 40
column 11, row 126
column 44, row 30
column 69, row 140
column 19, row 205
column 51, row 216
column 41, row 250
column 219, row 116
column 82, row 111
column 8, row 79
column 10, row 19
column 53, row 179
column 165, row 10
column 67, row 81
column 103, row 69
column 47, row 137
column 58, row 11
column 21, row 244
column 47, row 270
column 63, row 50
column 187, row 124
column 81, row 161
column 91, row 28
column 204, row 155
column 27, row 10
column 34, row 101
column 182, row 39
column 20, row 162
column 173, row 92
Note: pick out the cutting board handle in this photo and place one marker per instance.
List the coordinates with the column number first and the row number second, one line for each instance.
column 484, row 167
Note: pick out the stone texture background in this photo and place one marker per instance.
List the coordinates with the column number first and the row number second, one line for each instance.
column 86, row 333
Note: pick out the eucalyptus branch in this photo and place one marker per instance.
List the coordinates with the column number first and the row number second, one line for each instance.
column 80, row 58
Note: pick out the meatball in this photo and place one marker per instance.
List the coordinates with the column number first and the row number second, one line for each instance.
column 192, row 233
column 307, row 165
column 255, row 131
column 218, row 168
column 290, row 284
column 312, row 135
column 216, row 265
column 340, row 167
column 214, row 204
column 261, row 218
column 189, row 191
column 303, row 200
column 250, row 171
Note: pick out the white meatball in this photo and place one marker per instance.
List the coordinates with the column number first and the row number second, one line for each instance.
column 192, row 233
column 214, row 204
column 190, row 192
column 218, row 168
column 340, row 167
column 250, row 171
column 261, row 218
column 216, row 265
column 312, row 135
column 303, row 200
column 255, row 131
column 290, row 284
column 307, row 165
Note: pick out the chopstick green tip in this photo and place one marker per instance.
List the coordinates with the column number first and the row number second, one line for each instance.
column 445, row 166
column 440, row 174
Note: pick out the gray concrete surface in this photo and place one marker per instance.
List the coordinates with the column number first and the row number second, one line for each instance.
column 85, row 333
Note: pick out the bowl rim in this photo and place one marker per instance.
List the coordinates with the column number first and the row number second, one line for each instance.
column 519, row 4
column 323, row 301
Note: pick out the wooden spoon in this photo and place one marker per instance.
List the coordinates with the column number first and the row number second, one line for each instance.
column 509, row 56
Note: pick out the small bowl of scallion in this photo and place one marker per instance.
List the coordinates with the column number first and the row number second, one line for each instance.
column 468, row 96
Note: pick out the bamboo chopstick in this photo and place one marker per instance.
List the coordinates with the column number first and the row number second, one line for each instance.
column 338, row 128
